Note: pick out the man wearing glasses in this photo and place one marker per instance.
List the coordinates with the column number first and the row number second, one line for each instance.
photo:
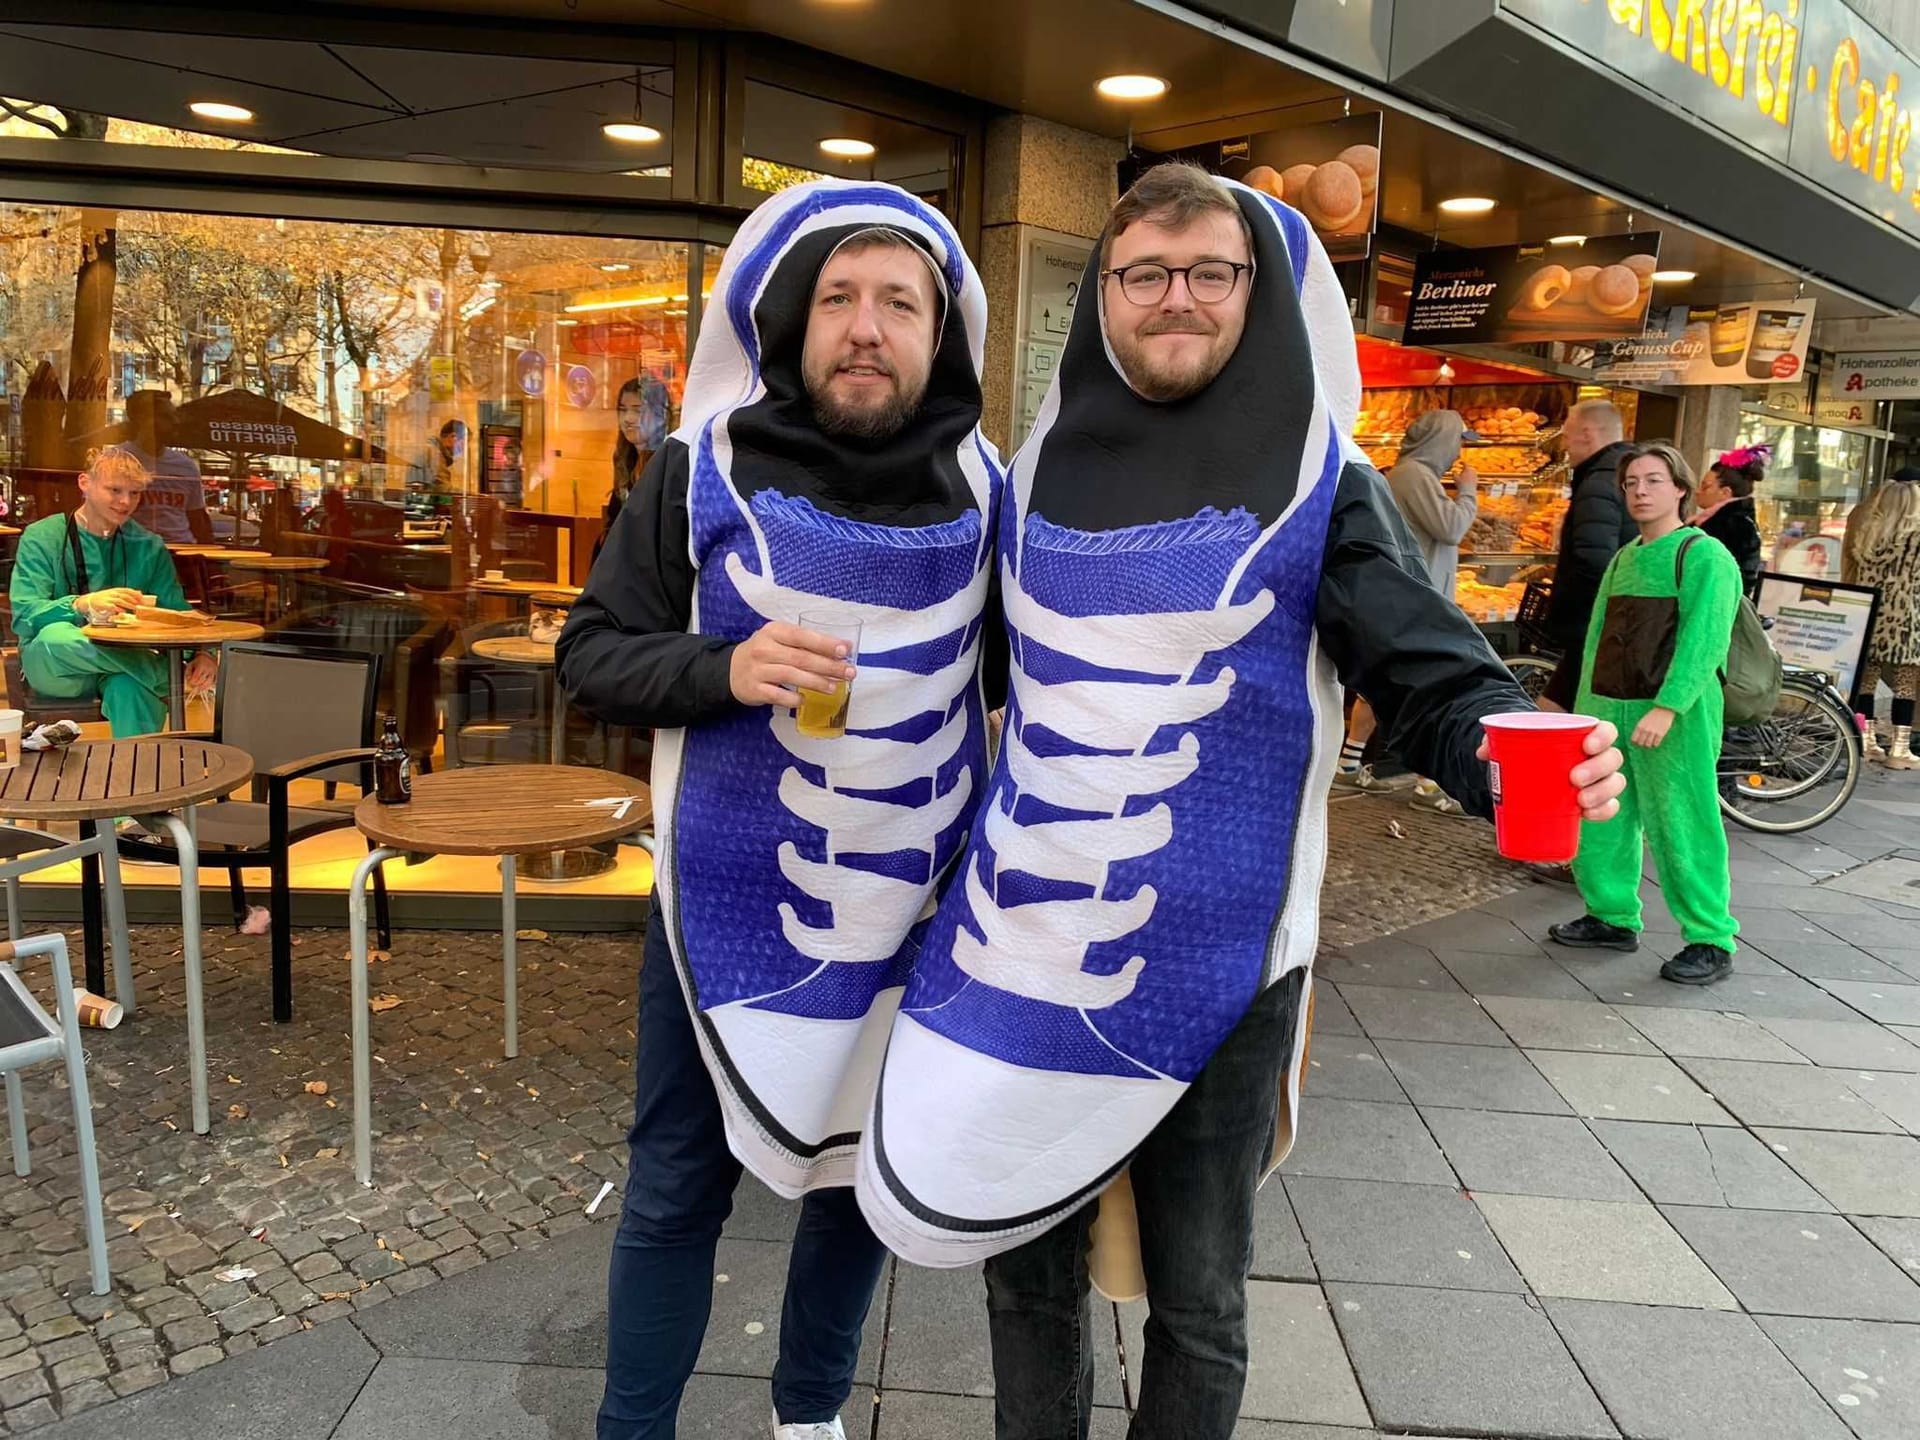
column 1195, row 558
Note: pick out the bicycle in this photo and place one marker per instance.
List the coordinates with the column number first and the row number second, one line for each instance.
column 1789, row 772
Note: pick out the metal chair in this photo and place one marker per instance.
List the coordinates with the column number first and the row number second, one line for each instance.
column 29, row 1035
column 302, row 714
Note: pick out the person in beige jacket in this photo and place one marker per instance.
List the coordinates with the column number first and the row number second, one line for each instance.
column 1439, row 523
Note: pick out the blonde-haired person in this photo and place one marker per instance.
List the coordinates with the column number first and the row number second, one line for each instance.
column 93, row 563
column 1658, row 639
column 1882, row 550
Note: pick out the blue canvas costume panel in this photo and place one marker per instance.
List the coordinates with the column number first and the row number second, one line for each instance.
column 796, row 874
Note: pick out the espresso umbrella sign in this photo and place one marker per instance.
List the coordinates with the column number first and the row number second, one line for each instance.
column 240, row 423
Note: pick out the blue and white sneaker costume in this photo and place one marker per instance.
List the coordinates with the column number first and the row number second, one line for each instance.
column 1149, row 851
column 797, row 875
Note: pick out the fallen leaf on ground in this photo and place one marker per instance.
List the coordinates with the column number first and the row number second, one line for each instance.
column 530, row 935
column 237, row 1111
column 383, row 1002
column 374, row 957
column 316, row 1087
column 326, row 1154
column 1396, row 830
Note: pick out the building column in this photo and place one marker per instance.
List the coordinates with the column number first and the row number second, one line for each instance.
column 1709, row 424
column 1039, row 176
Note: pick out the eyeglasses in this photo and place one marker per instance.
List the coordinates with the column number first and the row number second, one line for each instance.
column 1209, row 282
column 1647, row 482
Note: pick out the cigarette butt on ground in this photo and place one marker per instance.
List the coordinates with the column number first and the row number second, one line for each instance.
column 606, row 1189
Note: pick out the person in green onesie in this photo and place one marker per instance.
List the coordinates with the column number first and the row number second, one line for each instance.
column 1655, row 646
column 93, row 563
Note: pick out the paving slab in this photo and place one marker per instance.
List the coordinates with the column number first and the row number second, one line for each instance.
column 1601, row 1250
column 1899, row 1240
column 910, row 1415
column 1364, row 1140
column 1628, row 1087
column 1859, row 1174
column 1832, row 962
column 1390, row 962
column 1702, row 1374
column 1705, row 1165
column 1785, row 1263
column 1711, row 1035
column 1869, row 1373
column 1348, row 1067
column 1389, row 1014
column 1331, row 1015
column 1279, row 1249
column 1865, row 931
column 1471, row 1077
column 1391, row 1234
column 1472, row 1362
column 1802, row 1097
column 1296, row 1369
column 1844, row 1044
column 296, row 1389
column 937, row 1336
column 1903, row 958
column 1528, row 1155
column 1111, row 1424
column 1897, row 1096
column 486, row 1400
column 1472, row 930
column 1565, row 1025
column 1481, row 973
column 1889, row 1004
column 1756, row 987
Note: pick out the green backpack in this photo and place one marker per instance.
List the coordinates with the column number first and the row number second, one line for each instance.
column 1750, row 680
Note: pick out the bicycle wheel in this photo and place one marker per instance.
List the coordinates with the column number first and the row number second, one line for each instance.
column 1794, row 769
column 1531, row 673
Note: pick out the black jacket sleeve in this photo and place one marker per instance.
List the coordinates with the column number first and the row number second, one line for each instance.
column 1595, row 528
column 625, row 655
column 1734, row 527
column 1426, row 671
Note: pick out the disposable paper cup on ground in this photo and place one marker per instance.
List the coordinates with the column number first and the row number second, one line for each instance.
column 12, row 723
column 1536, row 809
column 97, row 1011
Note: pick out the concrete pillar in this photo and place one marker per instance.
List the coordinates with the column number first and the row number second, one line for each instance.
column 1039, row 175
column 1709, row 423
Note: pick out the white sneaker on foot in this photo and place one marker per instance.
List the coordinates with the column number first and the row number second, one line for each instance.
column 1362, row 779
column 817, row 1430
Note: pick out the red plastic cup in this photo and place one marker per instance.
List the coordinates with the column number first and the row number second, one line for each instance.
column 1536, row 809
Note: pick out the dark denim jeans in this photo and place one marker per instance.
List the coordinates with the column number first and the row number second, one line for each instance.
column 680, row 1181
column 1193, row 1184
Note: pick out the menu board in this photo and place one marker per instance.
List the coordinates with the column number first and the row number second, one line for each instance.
column 1517, row 293
column 1818, row 624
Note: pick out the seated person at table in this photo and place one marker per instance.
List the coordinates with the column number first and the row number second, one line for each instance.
column 91, row 564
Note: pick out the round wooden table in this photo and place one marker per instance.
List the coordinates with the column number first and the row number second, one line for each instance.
column 283, row 568
column 557, row 865
column 176, row 640
column 514, row 596
column 499, row 810
column 159, row 781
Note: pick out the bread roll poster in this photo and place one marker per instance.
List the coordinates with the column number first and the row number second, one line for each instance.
column 1330, row 173
column 1596, row 290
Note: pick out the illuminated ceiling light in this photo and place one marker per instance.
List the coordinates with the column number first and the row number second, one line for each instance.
column 1132, row 87
column 614, row 267
column 566, row 322
column 635, row 131
column 1566, row 240
column 1468, row 205
column 1673, row 277
column 220, row 110
column 623, row 302
column 842, row 148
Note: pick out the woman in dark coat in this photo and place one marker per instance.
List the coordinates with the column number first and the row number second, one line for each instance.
column 1726, row 508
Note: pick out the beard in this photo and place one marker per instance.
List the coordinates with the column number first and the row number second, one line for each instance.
column 1164, row 381
column 875, row 416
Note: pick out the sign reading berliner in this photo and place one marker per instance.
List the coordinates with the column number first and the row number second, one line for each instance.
column 1593, row 290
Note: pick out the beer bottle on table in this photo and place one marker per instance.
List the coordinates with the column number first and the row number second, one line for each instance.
column 392, row 766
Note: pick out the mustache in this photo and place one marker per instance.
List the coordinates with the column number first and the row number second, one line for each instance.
column 869, row 362
column 1178, row 325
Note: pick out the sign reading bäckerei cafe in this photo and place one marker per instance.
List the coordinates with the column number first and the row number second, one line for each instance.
column 1806, row 82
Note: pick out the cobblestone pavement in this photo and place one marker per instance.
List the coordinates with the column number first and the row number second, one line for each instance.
column 1661, row 1212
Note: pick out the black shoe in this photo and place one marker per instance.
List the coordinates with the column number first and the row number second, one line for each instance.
column 1698, row 965
column 1587, row 933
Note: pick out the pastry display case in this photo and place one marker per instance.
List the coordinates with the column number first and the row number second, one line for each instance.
column 1524, row 480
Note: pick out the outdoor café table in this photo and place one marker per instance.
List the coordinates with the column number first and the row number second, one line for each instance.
column 479, row 810
column 559, row 865
column 176, row 640
column 516, row 595
column 157, row 780
column 282, row 567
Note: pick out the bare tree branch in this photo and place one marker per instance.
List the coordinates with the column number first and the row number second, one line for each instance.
column 16, row 111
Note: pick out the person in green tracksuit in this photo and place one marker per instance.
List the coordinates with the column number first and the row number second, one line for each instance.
column 1655, row 646
column 97, row 562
